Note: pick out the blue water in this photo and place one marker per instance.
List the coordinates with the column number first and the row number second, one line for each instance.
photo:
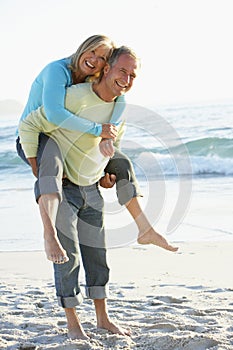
column 189, row 143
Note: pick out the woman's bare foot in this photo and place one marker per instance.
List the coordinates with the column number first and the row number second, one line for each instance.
column 54, row 250
column 113, row 328
column 48, row 205
column 152, row 237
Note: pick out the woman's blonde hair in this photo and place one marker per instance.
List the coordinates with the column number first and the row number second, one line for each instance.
column 91, row 43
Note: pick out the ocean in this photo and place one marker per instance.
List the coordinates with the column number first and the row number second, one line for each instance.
column 183, row 159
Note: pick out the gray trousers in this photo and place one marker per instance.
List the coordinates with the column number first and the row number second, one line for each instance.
column 50, row 171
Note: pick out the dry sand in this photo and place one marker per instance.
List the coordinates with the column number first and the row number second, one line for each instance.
column 169, row 301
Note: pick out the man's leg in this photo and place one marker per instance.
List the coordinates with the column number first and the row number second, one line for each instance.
column 93, row 251
column 97, row 276
column 94, row 258
column 103, row 320
column 48, row 192
column 128, row 194
column 67, row 275
column 75, row 329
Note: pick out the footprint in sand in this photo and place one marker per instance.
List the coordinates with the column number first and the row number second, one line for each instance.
column 162, row 327
column 199, row 342
column 27, row 346
column 78, row 344
column 171, row 300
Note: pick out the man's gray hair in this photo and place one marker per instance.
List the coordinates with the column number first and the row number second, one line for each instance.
column 122, row 50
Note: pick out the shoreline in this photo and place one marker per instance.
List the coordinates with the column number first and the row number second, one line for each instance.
column 203, row 258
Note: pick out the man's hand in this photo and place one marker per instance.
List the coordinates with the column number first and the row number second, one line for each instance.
column 33, row 163
column 106, row 148
column 109, row 131
column 108, row 181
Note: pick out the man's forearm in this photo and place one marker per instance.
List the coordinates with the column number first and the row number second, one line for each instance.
column 33, row 162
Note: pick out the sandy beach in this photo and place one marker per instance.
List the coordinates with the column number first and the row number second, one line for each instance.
column 169, row 301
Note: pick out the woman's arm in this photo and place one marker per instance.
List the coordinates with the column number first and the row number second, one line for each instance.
column 55, row 82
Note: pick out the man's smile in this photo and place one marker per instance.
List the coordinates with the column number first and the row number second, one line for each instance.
column 121, row 85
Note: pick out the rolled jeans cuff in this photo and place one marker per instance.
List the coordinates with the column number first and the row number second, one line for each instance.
column 48, row 185
column 70, row 302
column 97, row 292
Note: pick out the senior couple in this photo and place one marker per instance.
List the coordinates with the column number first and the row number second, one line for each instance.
column 69, row 155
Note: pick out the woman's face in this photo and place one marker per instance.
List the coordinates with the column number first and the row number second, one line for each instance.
column 92, row 62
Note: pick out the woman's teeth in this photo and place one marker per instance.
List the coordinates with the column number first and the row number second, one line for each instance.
column 89, row 65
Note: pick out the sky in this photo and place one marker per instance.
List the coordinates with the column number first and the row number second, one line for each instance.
column 185, row 46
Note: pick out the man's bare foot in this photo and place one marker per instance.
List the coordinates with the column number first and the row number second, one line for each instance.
column 75, row 329
column 54, row 250
column 152, row 237
column 77, row 334
column 113, row 328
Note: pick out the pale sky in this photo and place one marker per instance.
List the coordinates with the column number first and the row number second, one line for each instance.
column 185, row 45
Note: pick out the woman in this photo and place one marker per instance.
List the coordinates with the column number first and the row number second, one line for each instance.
column 49, row 90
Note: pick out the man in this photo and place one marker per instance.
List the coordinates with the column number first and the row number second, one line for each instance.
column 83, row 167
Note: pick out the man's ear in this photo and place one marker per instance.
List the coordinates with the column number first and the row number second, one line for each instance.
column 106, row 68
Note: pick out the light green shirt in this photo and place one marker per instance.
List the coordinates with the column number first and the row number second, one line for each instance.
column 83, row 161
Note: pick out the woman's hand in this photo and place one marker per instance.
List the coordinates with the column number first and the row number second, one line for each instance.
column 109, row 131
column 33, row 163
column 106, row 148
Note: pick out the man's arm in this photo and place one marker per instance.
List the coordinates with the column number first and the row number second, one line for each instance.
column 33, row 162
column 107, row 149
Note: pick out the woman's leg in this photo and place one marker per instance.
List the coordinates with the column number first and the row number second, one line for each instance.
column 20, row 151
column 126, row 183
column 48, row 193
column 128, row 192
column 147, row 234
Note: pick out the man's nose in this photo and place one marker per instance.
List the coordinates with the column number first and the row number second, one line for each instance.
column 127, row 79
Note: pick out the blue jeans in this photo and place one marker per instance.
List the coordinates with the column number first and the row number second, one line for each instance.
column 81, row 232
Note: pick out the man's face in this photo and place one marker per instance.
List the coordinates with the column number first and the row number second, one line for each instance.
column 119, row 78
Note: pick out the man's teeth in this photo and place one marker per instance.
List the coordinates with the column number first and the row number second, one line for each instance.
column 120, row 85
column 89, row 65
